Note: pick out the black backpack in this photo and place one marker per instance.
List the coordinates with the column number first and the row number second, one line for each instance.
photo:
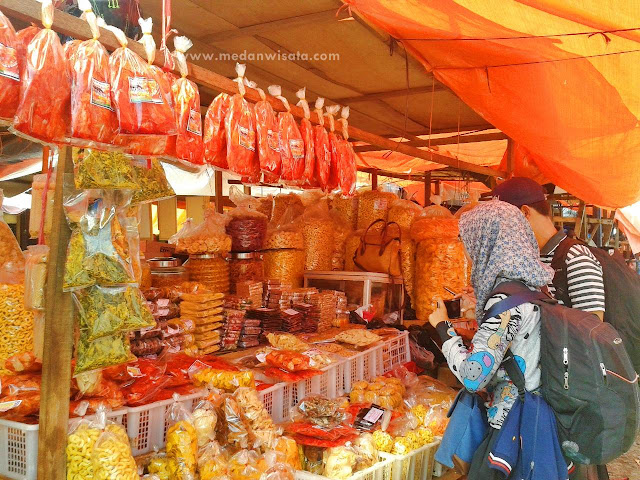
column 621, row 291
column 587, row 377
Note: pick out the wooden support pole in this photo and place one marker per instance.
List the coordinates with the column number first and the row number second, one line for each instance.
column 580, row 220
column 58, row 341
column 196, row 206
column 146, row 222
column 374, row 181
column 427, row 189
column 437, row 189
column 608, row 229
column 247, row 189
column 218, row 191
column 511, row 157
column 167, row 218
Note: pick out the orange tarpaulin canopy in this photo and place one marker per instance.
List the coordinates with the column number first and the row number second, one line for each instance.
column 560, row 77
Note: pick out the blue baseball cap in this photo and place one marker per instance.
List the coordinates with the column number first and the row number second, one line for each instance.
column 519, row 191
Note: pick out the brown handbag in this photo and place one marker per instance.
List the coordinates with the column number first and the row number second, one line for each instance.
column 379, row 251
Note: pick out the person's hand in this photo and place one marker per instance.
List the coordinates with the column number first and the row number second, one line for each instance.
column 468, row 299
column 439, row 314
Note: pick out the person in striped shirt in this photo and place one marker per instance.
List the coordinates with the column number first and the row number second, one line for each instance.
column 585, row 284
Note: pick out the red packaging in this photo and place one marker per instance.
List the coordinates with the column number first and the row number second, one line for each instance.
column 322, row 148
column 137, row 94
column 241, row 134
column 267, row 138
column 306, row 129
column 215, row 141
column 44, row 109
column 23, row 39
column 26, row 403
column 334, row 142
column 93, row 119
column 291, row 142
column 186, row 102
column 70, row 49
column 9, row 71
column 284, row 376
column 347, row 168
column 16, row 384
column 23, row 363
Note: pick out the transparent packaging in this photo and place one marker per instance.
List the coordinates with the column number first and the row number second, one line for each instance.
column 215, row 142
column 291, row 142
column 38, row 187
column 286, row 265
column 17, row 325
column 9, row 71
column 373, row 205
column 241, row 133
column 35, row 276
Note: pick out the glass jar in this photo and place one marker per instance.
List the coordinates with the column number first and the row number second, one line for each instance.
column 245, row 267
column 167, row 272
column 211, row 270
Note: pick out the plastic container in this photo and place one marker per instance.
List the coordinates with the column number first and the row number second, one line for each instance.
column 395, row 351
column 380, row 471
column 277, row 401
column 245, row 267
column 363, row 366
column 286, row 265
column 167, row 272
column 419, row 464
column 212, row 270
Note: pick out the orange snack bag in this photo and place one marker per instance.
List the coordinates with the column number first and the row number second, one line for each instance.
column 43, row 112
column 92, row 116
column 347, row 168
column 267, row 138
column 322, row 148
column 215, row 140
column 23, row 39
column 240, row 133
column 9, row 71
column 334, row 142
column 187, row 145
column 138, row 99
column 291, row 142
column 306, row 129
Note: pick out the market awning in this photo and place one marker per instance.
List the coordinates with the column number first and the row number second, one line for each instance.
column 562, row 78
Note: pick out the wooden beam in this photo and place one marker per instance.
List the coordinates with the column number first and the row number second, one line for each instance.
column 374, row 181
column 511, row 156
column 367, row 97
column 249, row 31
column 58, row 341
column 580, row 220
column 607, row 229
column 452, row 140
column 427, row 188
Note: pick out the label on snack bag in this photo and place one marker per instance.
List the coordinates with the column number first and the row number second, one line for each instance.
column 246, row 138
column 273, row 141
column 144, row 90
column 134, row 372
column 6, row 406
column 9, row 63
column 101, row 94
column 380, row 204
column 297, row 148
column 194, row 125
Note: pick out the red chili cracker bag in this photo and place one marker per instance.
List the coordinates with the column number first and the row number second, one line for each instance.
column 9, row 71
column 306, row 129
column 93, row 120
column 334, row 142
column 137, row 95
column 322, row 148
column 23, row 39
column 43, row 112
column 347, row 168
column 267, row 138
column 215, row 140
column 240, row 132
column 186, row 101
column 291, row 142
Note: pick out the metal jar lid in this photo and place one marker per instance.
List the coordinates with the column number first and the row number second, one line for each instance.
column 246, row 256
column 164, row 262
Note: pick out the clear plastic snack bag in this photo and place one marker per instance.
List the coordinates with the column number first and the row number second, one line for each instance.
column 9, row 71
column 111, row 456
column 291, row 141
column 322, row 148
column 182, row 441
column 347, row 169
column 306, row 129
column 215, row 140
column 268, row 139
column 35, row 276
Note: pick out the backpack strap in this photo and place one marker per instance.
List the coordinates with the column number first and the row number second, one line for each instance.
column 559, row 265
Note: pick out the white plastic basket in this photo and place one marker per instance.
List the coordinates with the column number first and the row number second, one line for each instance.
column 417, row 465
column 396, row 351
column 277, row 401
column 363, row 366
column 19, row 446
column 382, row 470
column 325, row 384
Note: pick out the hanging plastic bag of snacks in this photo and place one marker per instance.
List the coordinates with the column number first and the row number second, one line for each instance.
column 291, row 141
column 247, row 229
column 23, row 39
column 334, row 143
column 152, row 182
column 267, row 138
column 322, row 148
column 9, row 71
column 43, row 112
column 186, row 102
column 103, row 170
column 241, row 133
column 139, row 101
column 215, row 140
column 70, row 49
column 92, row 116
column 35, row 276
column 101, row 353
column 306, row 129
column 111, row 456
column 347, row 169
column 182, row 442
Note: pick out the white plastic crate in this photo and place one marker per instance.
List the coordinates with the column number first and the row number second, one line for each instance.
column 417, row 465
column 396, row 351
column 326, row 384
column 383, row 470
column 19, row 446
column 277, row 401
column 363, row 366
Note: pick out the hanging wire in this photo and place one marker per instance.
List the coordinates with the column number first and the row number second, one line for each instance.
column 522, row 37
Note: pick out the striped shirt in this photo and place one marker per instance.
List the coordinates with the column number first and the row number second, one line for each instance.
column 584, row 275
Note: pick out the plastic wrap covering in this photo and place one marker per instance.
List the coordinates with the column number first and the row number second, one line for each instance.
column 351, row 246
column 347, row 169
column 306, row 130
column 182, row 443
column 39, row 188
column 346, row 208
column 152, row 182
column 322, row 148
column 139, row 99
column 215, row 141
column 103, row 170
column 9, row 71
column 208, row 237
column 209, row 270
column 374, row 205
column 247, row 229
column 240, row 133
column 408, row 264
column 434, row 222
column 283, row 202
column 267, row 138
column 45, row 93
column 439, row 263
column 93, row 119
column 403, row 212
column 334, row 145
column 35, row 276
column 17, row 326
column 341, row 233
column 112, row 458
column 23, row 39
column 286, row 265
column 186, row 102
column 291, row 141
column 249, row 269
column 317, row 229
